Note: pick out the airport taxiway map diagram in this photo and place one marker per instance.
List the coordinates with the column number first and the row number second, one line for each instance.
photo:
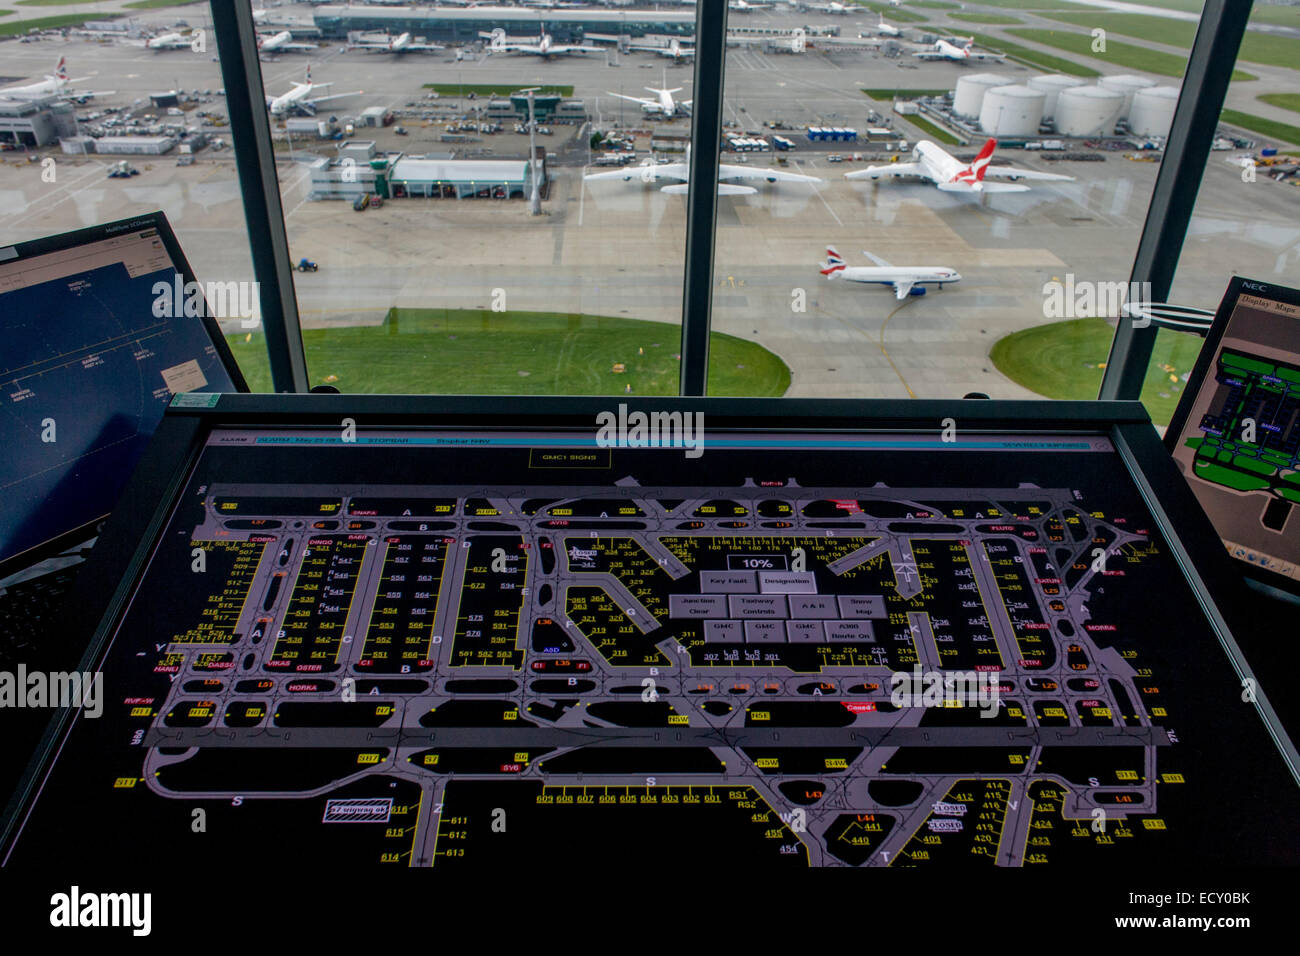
column 468, row 673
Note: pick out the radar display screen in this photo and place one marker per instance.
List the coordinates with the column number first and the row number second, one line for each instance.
column 421, row 647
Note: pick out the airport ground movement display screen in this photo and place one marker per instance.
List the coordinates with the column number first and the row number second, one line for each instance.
column 1240, row 444
column 447, row 649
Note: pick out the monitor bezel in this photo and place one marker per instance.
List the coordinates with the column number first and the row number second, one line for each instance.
column 103, row 590
column 1209, row 348
column 46, row 245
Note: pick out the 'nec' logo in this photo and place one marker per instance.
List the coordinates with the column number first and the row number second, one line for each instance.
column 1258, row 286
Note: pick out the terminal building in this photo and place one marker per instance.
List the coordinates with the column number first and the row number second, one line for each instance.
column 464, row 25
column 360, row 169
column 547, row 109
column 134, row 145
column 38, row 121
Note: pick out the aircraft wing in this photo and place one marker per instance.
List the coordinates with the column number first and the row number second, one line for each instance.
column 724, row 189
column 647, row 174
column 902, row 288
column 863, row 42
column 575, row 49
column 986, row 57
column 334, row 96
column 296, row 48
column 1014, row 173
column 726, row 172
column 644, row 101
column 516, row 48
column 931, row 55
column 892, row 171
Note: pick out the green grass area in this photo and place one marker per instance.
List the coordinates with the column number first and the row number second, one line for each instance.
column 888, row 96
column 897, row 14
column 494, row 89
column 479, row 352
column 17, row 27
column 1121, row 54
column 1065, row 360
column 1288, row 101
column 1187, row 6
column 52, row 3
column 993, row 19
column 7, row 13
column 1262, row 125
column 935, row 132
column 1024, row 54
column 935, row 4
column 1269, row 13
column 1275, row 14
column 1030, row 4
column 1265, row 48
column 155, row 4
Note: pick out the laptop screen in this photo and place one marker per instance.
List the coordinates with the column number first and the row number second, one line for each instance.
column 96, row 338
column 1236, row 435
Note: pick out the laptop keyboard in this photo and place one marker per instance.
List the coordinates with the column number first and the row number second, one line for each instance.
column 28, row 610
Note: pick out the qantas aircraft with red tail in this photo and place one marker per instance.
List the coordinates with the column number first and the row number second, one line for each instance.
column 933, row 163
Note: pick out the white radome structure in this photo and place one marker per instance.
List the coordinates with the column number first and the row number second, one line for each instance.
column 1088, row 111
column 968, row 95
column 1128, row 84
column 1012, row 111
column 1051, row 85
column 1153, row 110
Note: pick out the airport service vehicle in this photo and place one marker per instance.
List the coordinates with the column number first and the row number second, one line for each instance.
column 306, row 265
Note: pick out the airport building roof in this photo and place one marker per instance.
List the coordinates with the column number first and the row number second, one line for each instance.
column 487, row 171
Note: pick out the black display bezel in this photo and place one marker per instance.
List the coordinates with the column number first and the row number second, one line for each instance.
column 105, row 587
column 1236, row 287
column 80, row 237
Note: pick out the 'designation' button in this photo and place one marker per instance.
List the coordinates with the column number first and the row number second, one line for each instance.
column 568, row 458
